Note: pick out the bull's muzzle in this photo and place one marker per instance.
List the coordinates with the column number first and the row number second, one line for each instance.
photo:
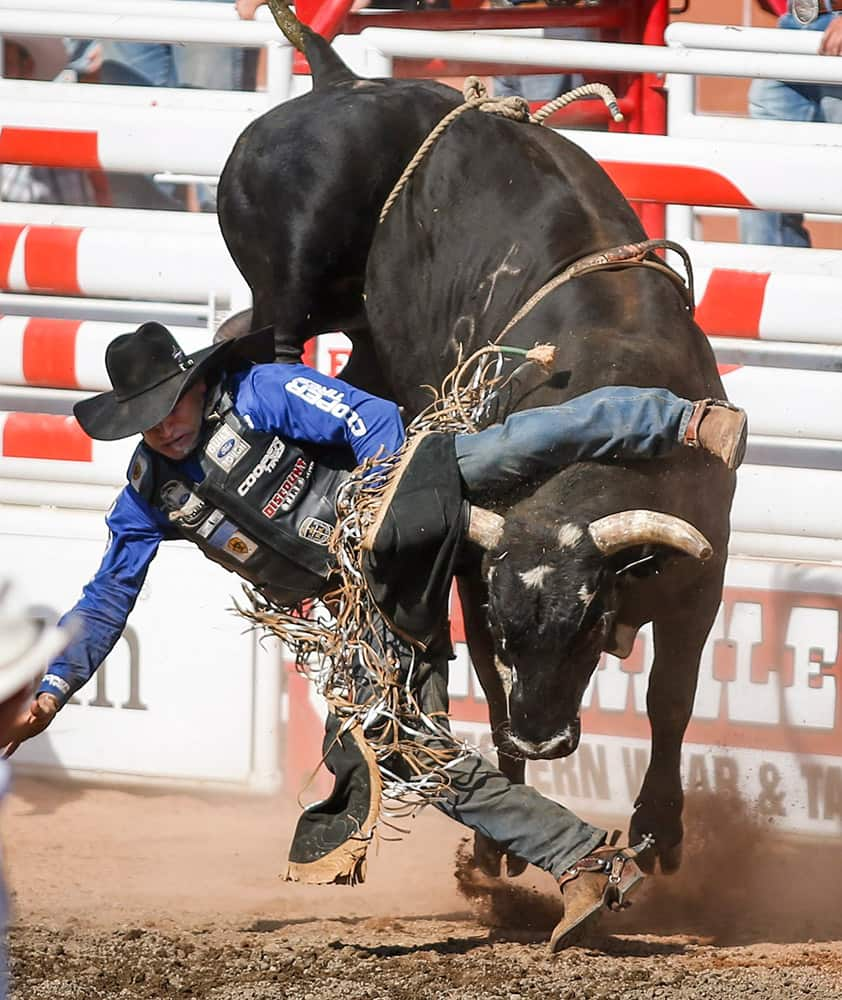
column 562, row 744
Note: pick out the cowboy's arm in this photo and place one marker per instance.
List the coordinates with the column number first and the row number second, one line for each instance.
column 100, row 615
column 306, row 405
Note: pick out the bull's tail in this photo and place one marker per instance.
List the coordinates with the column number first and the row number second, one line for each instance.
column 325, row 64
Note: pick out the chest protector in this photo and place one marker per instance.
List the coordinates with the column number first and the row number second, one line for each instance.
column 265, row 509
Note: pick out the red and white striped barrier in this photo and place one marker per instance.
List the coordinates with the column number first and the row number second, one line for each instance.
column 108, row 263
column 768, row 305
column 148, row 139
column 646, row 168
column 67, row 354
column 678, row 171
column 46, row 446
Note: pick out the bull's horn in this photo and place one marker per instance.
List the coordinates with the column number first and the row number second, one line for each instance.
column 485, row 527
column 647, row 527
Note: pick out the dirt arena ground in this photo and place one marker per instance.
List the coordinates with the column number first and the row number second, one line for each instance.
column 129, row 895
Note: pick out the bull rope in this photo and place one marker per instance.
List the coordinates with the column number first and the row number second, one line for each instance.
column 365, row 672
column 615, row 258
column 514, row 108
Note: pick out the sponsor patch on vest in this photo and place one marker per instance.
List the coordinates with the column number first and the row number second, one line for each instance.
column 289, row 492
column 213, row 519
column 233, row 542
column 268, row 463
column 182, row 504
column 315, row 530
column 226, row 448
column 138, row 470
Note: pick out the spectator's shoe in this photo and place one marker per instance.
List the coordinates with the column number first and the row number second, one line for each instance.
column 720, row 428
column 604, row 878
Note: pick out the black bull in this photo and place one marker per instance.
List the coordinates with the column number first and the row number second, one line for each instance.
column 497, row 209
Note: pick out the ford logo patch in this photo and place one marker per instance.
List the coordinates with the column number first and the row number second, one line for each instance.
column 226, row 447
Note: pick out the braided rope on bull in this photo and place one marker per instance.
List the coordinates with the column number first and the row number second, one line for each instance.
column 365, row 672
column 513, row 107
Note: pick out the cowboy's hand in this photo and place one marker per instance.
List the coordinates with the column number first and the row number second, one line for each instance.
column 246, row 8
column 31, row 720
column 831, row 44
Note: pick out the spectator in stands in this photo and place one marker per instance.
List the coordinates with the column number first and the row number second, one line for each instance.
column 804, row 102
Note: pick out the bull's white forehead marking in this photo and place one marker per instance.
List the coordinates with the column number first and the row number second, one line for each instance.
column 585, row 595
column 534, row 578
column 504, row 269
column 569, row 535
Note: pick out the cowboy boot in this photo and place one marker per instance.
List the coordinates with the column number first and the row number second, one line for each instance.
column 720, row 428
column 606, row 877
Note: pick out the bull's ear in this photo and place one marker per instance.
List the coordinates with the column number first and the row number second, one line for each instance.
column 485, row 528
column 648, row 527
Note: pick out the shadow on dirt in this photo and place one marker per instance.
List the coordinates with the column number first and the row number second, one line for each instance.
column 452, row 946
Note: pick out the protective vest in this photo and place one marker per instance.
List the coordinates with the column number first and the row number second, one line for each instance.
column 265, row 509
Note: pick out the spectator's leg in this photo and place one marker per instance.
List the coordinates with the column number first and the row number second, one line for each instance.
column 155, row 60
column 773, row 100
column 830, row 103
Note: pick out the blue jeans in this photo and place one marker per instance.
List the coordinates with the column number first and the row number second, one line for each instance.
column 615, row 422
column 155, row 60
column 794, row 102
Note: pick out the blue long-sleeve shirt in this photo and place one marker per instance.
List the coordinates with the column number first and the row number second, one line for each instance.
column 294, row 401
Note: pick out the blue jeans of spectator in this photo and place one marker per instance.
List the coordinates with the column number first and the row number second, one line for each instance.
column 155, row 60
column 794, row 102
column 211, row 67
column 614, row 422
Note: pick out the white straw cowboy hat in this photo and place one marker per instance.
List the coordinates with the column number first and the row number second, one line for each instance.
column 49, row 55
column 26, row 645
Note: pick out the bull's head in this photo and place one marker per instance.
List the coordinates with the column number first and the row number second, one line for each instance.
column 552, row 601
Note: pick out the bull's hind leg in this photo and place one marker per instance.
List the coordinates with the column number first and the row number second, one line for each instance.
column 679, row 634
column 473, row 595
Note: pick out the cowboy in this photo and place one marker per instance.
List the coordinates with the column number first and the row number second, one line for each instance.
column 245, row 461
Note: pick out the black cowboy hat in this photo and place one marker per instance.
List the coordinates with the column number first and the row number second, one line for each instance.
column 150, row 372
